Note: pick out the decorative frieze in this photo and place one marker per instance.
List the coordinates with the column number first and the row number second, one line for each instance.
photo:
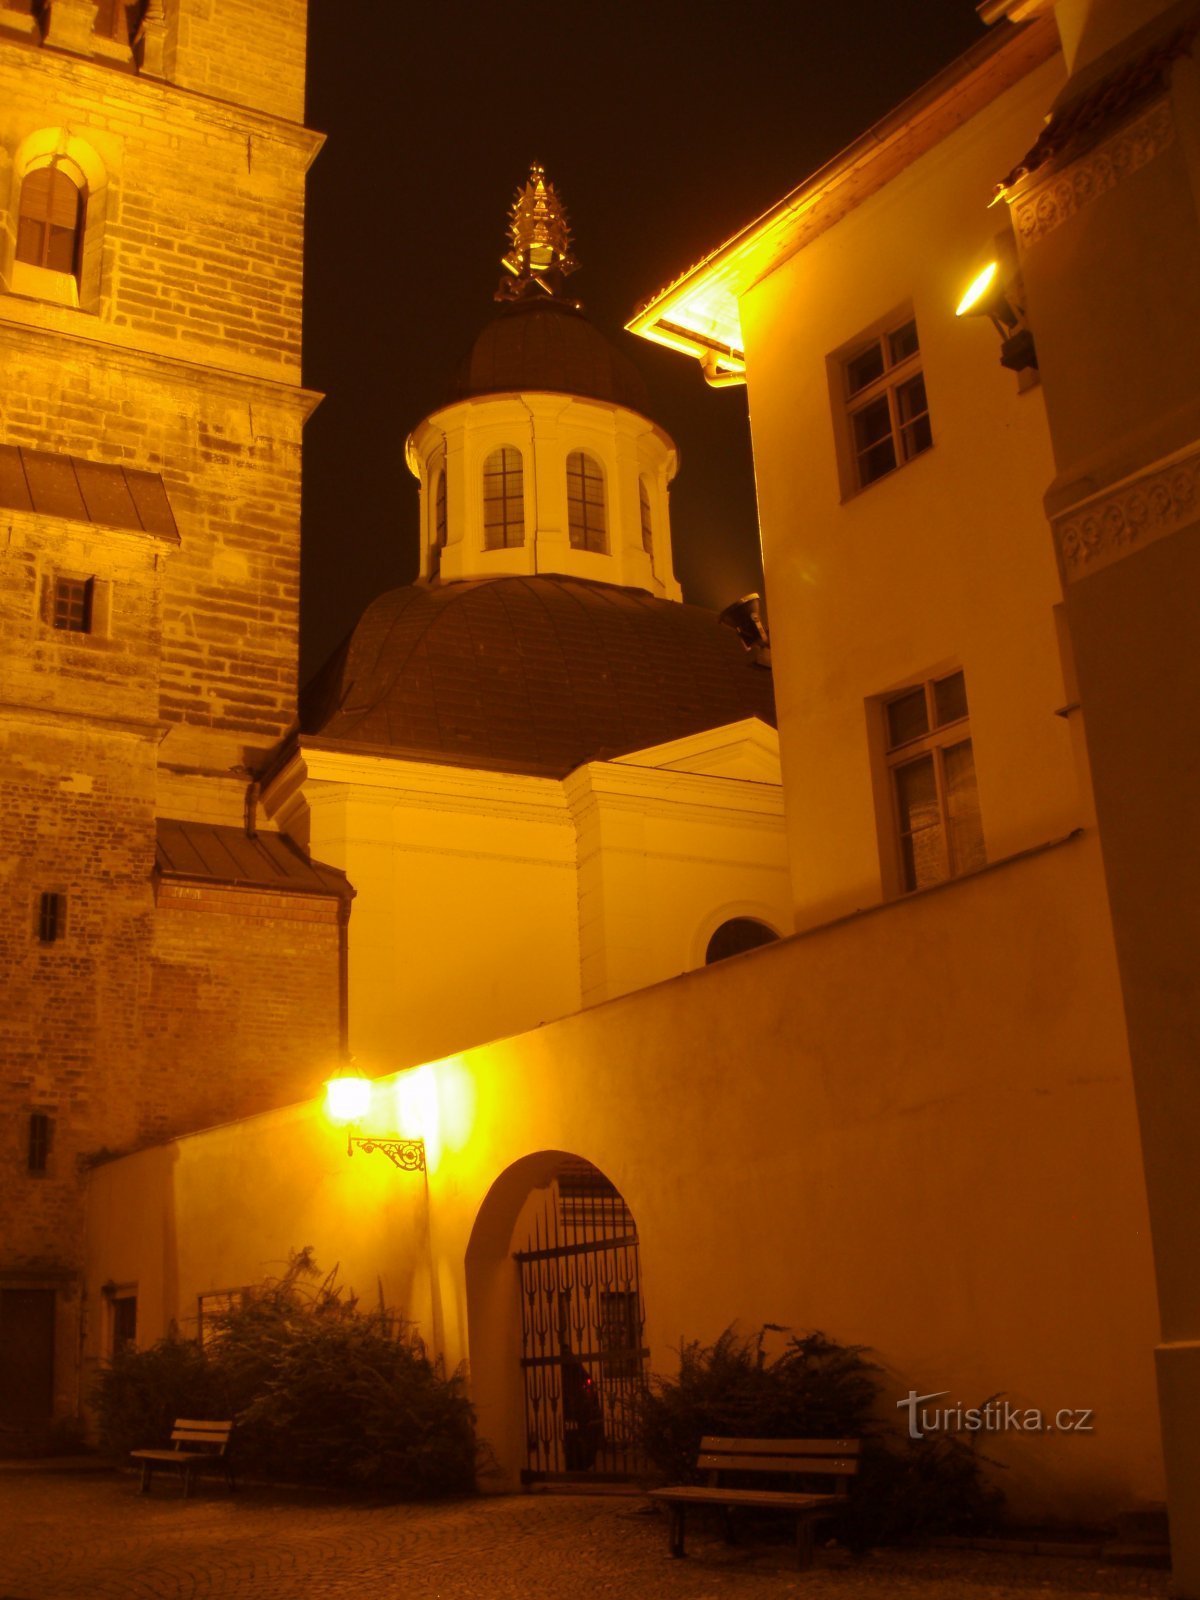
column 1128, row 516
column 1040, row 209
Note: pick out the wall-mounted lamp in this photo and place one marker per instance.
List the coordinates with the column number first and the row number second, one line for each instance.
column 745, row 618
column 347, row 1099
column 992, row 296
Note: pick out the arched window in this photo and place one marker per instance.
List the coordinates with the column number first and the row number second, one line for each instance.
column 586, row 516
column 50, row 220
column 735, row 936
column 503, row 499
column 647, row 524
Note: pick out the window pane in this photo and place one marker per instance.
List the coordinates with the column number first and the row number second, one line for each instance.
column 950, row 699
column 873, row 441
column 647, row 525
column 903, row 343
column 920, row 824
column 585, row 503
column 962, row 808
column 912, row 411
column 907, row 718
column 864, row 369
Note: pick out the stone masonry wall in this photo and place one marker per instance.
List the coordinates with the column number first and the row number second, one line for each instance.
column 248, row 51
column 187, row 364
column 242, row 1034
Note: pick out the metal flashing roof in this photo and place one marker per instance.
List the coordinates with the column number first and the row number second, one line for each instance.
column 102, row 492
column 211, row 853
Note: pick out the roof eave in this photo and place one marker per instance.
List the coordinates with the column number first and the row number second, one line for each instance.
column 697, row 314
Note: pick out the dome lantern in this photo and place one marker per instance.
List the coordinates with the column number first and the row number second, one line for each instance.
column 545, row 458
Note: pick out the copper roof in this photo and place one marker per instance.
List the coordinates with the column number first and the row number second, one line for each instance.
column 533, row 674
column 545, row 345
column 209, row 853
column 85, row 491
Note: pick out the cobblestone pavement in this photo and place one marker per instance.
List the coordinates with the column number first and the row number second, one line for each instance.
column 93, row 1537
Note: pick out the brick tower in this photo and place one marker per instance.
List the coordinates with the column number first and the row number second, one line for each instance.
column 164, row 965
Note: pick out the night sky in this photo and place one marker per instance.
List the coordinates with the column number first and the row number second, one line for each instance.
column 665, row 126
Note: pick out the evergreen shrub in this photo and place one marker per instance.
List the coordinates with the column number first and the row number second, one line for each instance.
column 815, row 1388
column 321, row 1390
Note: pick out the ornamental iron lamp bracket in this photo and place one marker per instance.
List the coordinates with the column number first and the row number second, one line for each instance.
column 407, row 1154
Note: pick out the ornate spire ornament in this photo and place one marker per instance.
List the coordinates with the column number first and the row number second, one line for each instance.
column 540, row 256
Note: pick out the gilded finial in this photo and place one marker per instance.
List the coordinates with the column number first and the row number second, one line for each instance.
column 540, row 254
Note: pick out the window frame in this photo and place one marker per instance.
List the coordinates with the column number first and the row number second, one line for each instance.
column 507, row 497
column 895, row 375
column 50, row 916
column 933, row 743
column 586, row 458
column 40, row 1143
column 72, row 604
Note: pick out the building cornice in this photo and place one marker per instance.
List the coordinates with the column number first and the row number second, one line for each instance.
column 172, row 370
column 1137, row 511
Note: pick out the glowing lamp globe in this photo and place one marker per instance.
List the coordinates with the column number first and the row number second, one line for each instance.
column 979, row 293
column 347, row 1099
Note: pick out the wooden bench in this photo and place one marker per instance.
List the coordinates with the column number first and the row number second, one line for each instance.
column 195, row 1446
column 834, row 1459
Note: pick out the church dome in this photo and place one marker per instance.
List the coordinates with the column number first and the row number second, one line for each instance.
column 548, row 345
column 534, row 674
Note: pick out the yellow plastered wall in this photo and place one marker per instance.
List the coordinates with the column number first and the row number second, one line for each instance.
column 944, row 563
column 490, row 902
column 949, row 1175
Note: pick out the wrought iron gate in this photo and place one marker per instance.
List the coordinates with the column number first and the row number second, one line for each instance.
column 582, row 1322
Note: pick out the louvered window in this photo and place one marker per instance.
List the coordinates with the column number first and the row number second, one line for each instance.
column 50, row 220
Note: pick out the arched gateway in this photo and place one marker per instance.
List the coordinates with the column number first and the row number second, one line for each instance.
column 557, row 1321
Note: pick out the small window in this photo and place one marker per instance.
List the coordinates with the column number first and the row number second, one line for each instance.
column 124, row 1322
column 41, row 1133
column 587, row 516
column 50, row 220
column 503, row 499
column 73, row 604
column 932, row 773
column 737, row 935
column 647, row 524
column 886, row 410
column 51, row 916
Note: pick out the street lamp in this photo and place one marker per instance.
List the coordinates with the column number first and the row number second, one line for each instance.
column 347, row 1100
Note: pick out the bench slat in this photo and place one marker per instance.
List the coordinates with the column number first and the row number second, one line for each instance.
column 778, row 1447
column 767, row 1499
column 806, row 1465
